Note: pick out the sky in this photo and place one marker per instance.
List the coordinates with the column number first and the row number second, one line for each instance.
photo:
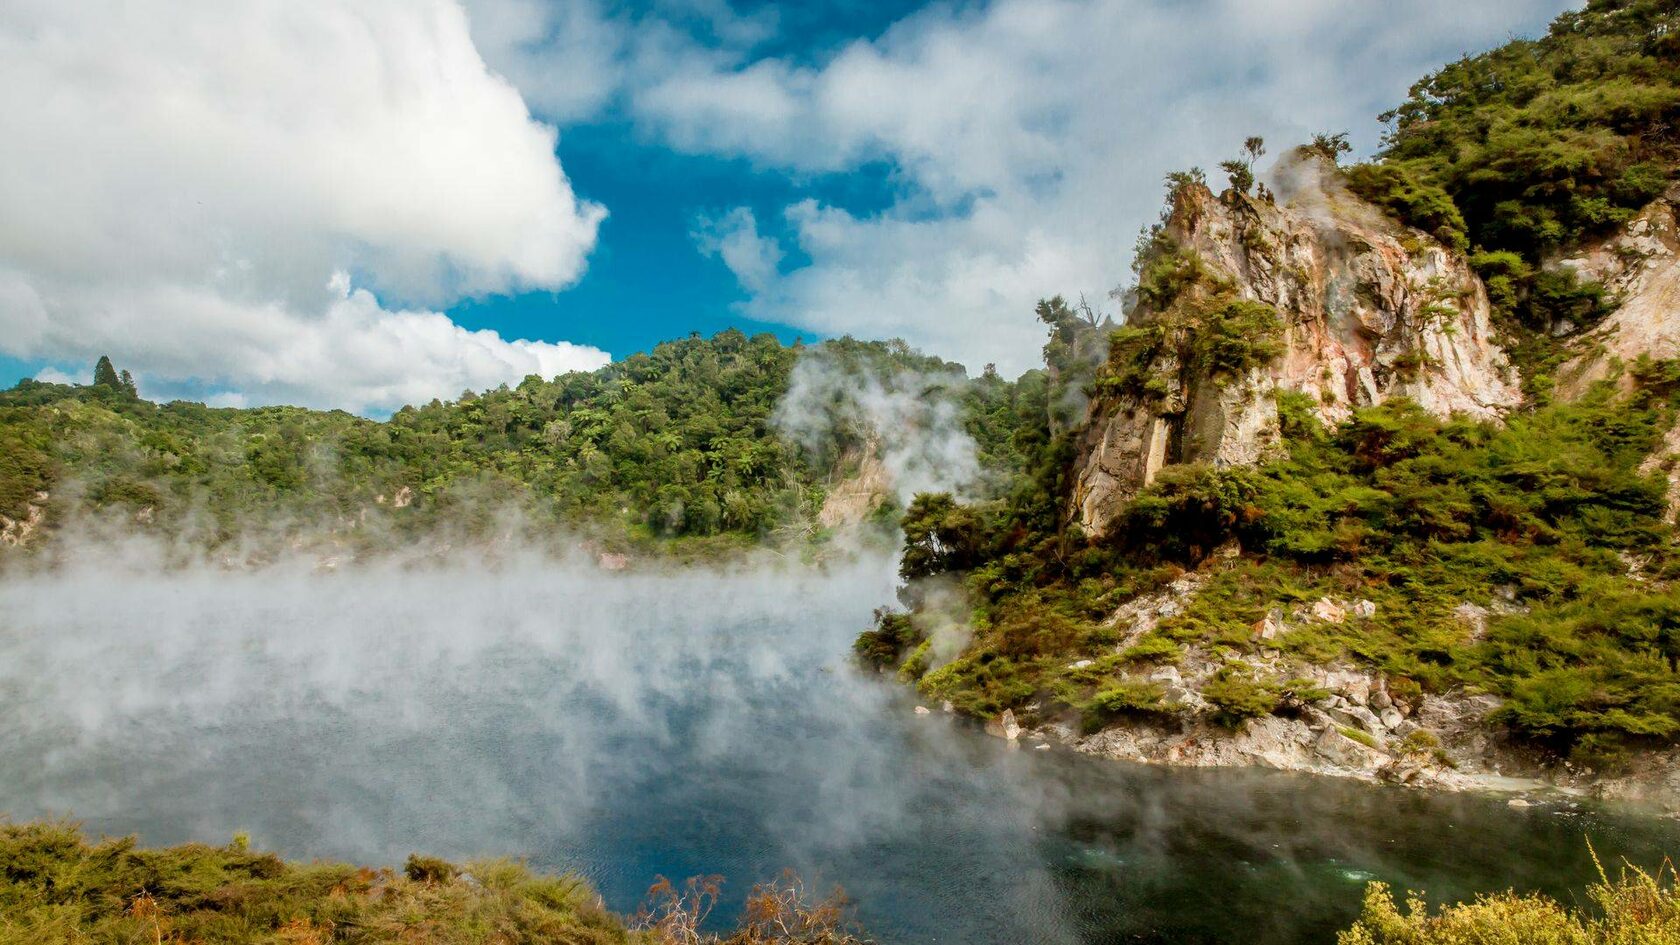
column 358, row 204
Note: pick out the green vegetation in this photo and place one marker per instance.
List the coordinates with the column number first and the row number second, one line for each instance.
column 677, row 448
column 1542, row 143
column 56, row 888
column 1532, row 148
column 1419, row 515
column 1529, row 559
column 1636, row 908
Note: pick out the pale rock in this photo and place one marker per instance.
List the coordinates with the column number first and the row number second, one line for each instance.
column 1639, row 266
column 1357, row 716
column 1344, row 752
column 1392, row 719
column 1370, row 308
column 1011, row 728
column 922, row 710
column 1269, row 627
column 1474, row 616
column 1328, row 611
column 1365, row 609
column 1081, row 664
column 1167, row 674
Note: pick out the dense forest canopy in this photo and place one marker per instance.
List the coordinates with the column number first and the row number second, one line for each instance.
column 679, row 443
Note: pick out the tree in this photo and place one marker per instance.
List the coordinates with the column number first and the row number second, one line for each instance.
column 128, row 384
column 104, row 375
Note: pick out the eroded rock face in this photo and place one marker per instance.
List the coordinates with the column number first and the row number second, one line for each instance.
column 1640, row 269
column 1369, row 310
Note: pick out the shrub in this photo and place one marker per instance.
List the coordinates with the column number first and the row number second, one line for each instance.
column 1417, row 204
column 1237, row 696
column 1637, row 907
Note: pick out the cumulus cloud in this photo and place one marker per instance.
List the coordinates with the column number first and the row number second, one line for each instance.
column 181, row 182
column 1030, row 138
column 734, row 238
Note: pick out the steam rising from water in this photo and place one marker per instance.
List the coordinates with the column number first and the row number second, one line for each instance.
column 676, row 722
column 913, row 418
column 527, row 708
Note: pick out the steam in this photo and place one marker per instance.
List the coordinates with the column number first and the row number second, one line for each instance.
column 522, row 705
column 910, row 421
column 670, row 720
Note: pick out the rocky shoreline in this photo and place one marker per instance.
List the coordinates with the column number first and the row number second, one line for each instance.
column 1340, row 738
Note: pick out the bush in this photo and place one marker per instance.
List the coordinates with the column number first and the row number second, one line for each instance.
column 1417, row 204
column 1637, row 907
column 1237, row 696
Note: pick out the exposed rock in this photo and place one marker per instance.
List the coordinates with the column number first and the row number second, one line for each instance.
column 1346, row 752
column 1007, row 726
column 1370, row 310
column 1143, row 613
column 1364, row 609
column 17, row 533
column 1639, row 265
column 1357, row 716
column 922, row 710
column 852, row 499
column 403, row 499
column 1328, row 611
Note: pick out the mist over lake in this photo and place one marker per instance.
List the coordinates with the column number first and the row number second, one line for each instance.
column 677, row 723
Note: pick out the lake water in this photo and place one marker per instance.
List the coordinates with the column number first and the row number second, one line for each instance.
column 634, row 726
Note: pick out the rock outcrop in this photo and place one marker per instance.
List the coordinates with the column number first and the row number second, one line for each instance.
column 1367, row 309
column 1639, row 267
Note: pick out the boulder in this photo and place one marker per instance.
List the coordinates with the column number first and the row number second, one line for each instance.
column 1344, row 752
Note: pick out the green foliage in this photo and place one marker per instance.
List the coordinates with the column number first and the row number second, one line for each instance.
column 940, row 535
column 884, row 646
column 1417, row 204
column 676, row 448
column 105, row 375
column 1636, row 908
column 56, row 888
column 1127, row 697
column 1237, row 695
column 1542, row 143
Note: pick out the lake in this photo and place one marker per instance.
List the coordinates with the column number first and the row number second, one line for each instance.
column 687, row 722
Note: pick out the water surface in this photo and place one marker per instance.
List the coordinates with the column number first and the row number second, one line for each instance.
column 633, row 726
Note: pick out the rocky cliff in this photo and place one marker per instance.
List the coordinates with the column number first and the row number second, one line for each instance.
column 1240, row 298
column 1639, row 267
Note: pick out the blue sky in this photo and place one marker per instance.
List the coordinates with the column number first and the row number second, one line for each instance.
column 369, row 207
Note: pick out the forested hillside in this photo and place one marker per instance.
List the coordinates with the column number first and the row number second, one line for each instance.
column 1303, row 497
column 676, row 448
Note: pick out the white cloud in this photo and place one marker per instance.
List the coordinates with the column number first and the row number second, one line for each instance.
column 734, row 238
column 1030, row 138
column 181, row 179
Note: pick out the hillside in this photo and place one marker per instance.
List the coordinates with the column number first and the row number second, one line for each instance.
column 1328, row 507
column 680, row 450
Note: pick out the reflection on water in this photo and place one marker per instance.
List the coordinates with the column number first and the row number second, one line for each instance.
column 680, row 724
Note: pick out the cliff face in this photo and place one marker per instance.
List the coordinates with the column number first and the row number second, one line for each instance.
column 1639, row 266
column 1364, row 309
